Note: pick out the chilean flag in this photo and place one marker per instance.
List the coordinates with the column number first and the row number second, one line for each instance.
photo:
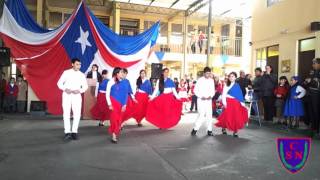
column 42, row 54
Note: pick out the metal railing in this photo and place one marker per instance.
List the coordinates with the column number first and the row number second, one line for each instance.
column 220, row 46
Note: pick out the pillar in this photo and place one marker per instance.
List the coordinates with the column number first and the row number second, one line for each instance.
column 40, row 12
column 185, row 36
column 116, row 17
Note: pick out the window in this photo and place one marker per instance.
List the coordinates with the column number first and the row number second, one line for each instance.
column 14, row 70
column 204, row 29
column 273, row 51
column 129, row 27
column 176, row 28
column 163, row 36
column 176, row 34
column 261, row 57
column 148, row 24
column 307, row 44
column 66, row 17
column 272, row 2
column 55, row 19
column 225, row 30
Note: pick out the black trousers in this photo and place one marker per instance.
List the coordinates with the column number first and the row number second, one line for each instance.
column 314, row 112
column 268, row 107
column 194, row 103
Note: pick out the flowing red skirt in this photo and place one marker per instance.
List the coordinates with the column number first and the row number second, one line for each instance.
column 164, row 111
column 115, row 117
column 141, row 107
column 100, row 111
column 234, row 116
column 129, row 109
column 185, row 99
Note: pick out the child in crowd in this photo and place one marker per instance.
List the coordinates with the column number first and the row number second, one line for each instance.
column 280, row 92
column 294, row 107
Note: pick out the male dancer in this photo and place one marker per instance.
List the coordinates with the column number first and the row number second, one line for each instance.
column 72, row 82
column 204, row 90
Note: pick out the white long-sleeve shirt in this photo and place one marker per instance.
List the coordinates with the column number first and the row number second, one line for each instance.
column 300, row 90
column 73, row 80
column 225, row 94
column 108, row 90
column 165, row 91
column 204, row 88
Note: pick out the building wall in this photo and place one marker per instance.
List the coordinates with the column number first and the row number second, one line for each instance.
column 284, row 23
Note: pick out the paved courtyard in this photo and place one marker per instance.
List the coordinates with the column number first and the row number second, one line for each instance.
column 32, row 148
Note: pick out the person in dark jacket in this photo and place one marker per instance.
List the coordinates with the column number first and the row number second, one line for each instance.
column 269, row 82
column 256, row 86
column 94, row 73
column 313, row 92
column 244, row 82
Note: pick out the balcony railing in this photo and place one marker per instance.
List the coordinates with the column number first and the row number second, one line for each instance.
column 220, row 46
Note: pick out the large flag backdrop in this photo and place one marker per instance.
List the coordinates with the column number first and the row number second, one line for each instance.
column 42, row 54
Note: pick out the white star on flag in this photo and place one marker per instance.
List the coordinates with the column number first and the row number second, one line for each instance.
column 83, row 40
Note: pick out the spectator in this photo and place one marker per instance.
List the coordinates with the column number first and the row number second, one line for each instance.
column 268, row 84
column 294, row 107
column 281, row 94
column 176, row 82
column 94, row 74
column 22, row 94
column 201, row 39
column 314, row 97
column 193, row 97
column 193, row 41
column 244, row 82
column 11, row 94
column 257, row 90
column 3, row 85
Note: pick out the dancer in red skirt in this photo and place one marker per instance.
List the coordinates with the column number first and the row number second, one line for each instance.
column 235, row 114
column 100, row 111
column 144, row 90
column 131, row 102
column 117, row 96
column 164, row 108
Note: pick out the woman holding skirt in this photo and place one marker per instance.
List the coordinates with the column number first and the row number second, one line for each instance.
column 235, row 114
column 117, row 96
column 144, row 90
column 100, row 111
column 164, row 108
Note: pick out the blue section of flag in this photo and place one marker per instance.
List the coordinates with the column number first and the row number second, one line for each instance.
column 159, row 55
column 126, row 45
column 75, row 49
column 21, row 14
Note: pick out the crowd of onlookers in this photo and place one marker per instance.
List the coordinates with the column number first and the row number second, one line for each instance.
column 13, row 94
column 283, row 100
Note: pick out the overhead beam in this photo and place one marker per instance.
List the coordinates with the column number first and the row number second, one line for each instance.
column 175, row 2
column 197, row 7
column 146, row 9
column 194, row 4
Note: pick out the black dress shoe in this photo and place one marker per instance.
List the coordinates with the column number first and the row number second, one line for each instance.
column 209, row 133
column 224, row 131
column 193, row 132
column 67, row 137
column 114, row 141
column 100, row 124
column 235, row 135
column 75, row 136
column 139, row 125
